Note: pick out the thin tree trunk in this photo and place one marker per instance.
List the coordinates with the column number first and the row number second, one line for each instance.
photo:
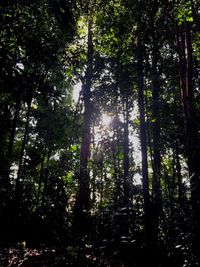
column 119, row 172
column 156, row 187
column 115, row 173
column 41, row 177
column 5, row 120
column 83, row 195
column 192, row 146
column 94, row 171
column 46, row 174
column 12, row 137
column 181, row 194
column 101, row 180
column 24, row 142
column 143, row 141
column 127, row 183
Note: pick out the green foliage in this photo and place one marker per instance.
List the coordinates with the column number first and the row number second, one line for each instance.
column 44, row 52
column 183, row 12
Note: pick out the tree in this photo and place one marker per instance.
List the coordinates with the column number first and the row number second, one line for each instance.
column 83, row 195
column 143, row 140
column 186, row 66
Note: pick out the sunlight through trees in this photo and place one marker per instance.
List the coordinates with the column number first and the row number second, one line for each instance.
column 99, row 133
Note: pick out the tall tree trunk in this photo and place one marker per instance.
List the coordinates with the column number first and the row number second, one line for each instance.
column 192, row 146
column 119, row 167
column 101, row 180
column 46, row 173
column 181, row 193
column 127, row 182
column 115, row 171
column 156, row 187
column 94, row 169
column 83, row 195
column 24, row 142
column 41, row 177
column 12, row 136
column 5, row 122
column 9, row 155
column 143, row 141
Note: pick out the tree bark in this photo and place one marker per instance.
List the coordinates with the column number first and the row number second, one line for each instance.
column 4, row 132
column 192, row 146
column 127, row 182
column 46, row 173
column 41, row 176
column 156, row 187
column 116, row 177
column 12, row 137
column 83, row 195
column 143, row 141
column 24, row 142
column 181, row 193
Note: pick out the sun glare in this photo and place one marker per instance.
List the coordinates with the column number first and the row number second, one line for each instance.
column 76, row 91
column 106, row 120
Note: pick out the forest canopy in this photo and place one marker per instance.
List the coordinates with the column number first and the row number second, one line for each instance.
column 100, row 133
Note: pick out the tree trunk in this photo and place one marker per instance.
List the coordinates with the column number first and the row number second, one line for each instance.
column 156, row 187
column 127, row 182
column 143, row 141
column 24, row 142
column 5, row 116
column 83, row 196
column 119, row 167
column 115, row 171
column 181, row 193
column 192, row 146
column 46, row 173
column 11, row 142
column 94, row 170
column 41, row 177
column 12, row 137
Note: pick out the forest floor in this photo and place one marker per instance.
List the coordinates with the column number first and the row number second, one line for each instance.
column 46, row 257
column 15, row 256
column 75, row 256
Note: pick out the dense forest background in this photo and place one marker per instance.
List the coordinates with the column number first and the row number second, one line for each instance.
column 111, row 177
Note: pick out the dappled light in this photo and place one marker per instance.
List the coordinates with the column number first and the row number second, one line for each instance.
column 106, row 120
column 99, row 133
